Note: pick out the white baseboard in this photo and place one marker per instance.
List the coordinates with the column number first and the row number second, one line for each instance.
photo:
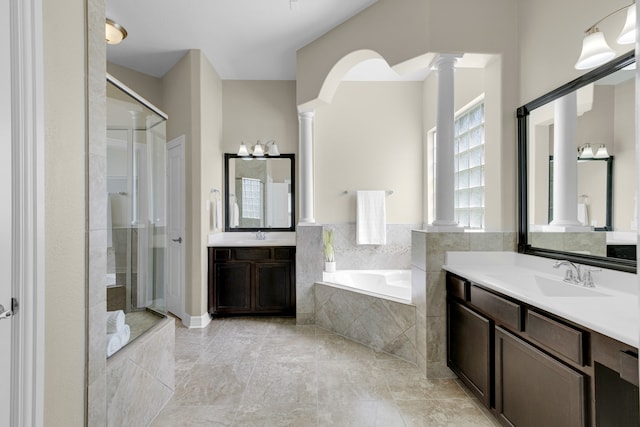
column 196, row 322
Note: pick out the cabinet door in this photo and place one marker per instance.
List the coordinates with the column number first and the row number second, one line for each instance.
column 231, row 287
column 533, row 389
column 273, row 287
column 468, row 349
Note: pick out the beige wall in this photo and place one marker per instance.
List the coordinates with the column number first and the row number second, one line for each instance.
column 550, row 39
column 624, row 163
column 149, row 87
column 211, row 159
column 192, row 99
column 397, row 30
column 264, row 109
column 370, row 138
column 433, row 26
column 65, row 271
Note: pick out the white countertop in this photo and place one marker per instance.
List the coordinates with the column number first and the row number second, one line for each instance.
column 248, row 239
column 611, row 308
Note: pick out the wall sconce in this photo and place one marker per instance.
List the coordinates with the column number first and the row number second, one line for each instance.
column 258, row 150
column 595, row 50
column 602, row 152
column 114, row 32
column 586, row 152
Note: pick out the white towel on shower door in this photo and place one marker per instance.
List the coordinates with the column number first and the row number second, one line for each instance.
column 371, row 218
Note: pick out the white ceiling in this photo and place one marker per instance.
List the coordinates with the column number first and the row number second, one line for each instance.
column 243, row 39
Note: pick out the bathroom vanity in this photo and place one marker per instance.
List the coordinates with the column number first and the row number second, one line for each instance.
column 251, row 277
column 537, row 351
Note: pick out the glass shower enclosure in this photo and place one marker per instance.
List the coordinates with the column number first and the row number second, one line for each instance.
column 136, row 208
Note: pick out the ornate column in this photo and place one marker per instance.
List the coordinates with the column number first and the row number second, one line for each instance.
column 444, row 191
column 306, row 167
column 565, row 164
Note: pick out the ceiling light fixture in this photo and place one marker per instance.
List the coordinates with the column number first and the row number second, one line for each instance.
column 259, row 150
column 114, row 32
column 595, row 50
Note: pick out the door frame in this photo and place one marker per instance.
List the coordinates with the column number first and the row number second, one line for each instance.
column 178, row 142
column 28, row 160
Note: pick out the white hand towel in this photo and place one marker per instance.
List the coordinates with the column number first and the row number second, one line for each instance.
column 235, row 218
column 118, row 340
column 218, row 222
column 115, row 321
column 583, row 213
column 371, row 218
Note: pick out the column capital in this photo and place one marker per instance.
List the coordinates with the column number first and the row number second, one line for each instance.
column 445, row 60
column 306, row 114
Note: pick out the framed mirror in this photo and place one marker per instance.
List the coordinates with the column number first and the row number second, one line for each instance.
column 601, row 199
column 259, row 193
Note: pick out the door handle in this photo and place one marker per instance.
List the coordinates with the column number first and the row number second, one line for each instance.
column 5, row 314
column 178, row 240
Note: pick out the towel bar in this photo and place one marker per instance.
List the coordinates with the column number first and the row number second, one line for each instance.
column 389, row 192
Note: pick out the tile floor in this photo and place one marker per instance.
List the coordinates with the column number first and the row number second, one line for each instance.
column 271, row 372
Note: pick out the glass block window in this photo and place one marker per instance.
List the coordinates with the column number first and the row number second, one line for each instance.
column 251, row 198
column 468, row 139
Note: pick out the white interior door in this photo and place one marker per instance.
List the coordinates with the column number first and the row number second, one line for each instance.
column 175, row 227
column 5, row 215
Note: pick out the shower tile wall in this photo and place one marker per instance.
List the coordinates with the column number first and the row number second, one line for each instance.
column 396, row 254
column 429, row 289
column 97, row 226
column 381, row 324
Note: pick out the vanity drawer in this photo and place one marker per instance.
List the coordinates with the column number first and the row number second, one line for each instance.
column 249, row 254
column 558, row 337
column 457, row 287
column 502, row 310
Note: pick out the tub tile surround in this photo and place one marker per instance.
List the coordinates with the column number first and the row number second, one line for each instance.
column 309, row 266
column 395, row 255
column 382, row 325
column 428, row 254
column 141, row 377
column 587, row 242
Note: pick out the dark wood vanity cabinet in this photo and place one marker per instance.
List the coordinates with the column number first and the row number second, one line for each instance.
column 533, row 389
column 251, row 281
column 469, row 349
column 532, row 368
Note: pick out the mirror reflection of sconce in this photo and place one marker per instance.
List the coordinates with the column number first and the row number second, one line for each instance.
column 595, row 50
column 586, row 152
column 259, row 150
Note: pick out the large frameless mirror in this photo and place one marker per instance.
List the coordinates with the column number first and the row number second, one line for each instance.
column 259, row 193
column 592, row 119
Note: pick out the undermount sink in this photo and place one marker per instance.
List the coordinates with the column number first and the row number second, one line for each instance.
column 548, row 286
column 559, row 288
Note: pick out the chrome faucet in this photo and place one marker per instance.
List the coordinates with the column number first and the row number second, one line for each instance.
column 261, row 235
column 572, row 274
column 575, row 275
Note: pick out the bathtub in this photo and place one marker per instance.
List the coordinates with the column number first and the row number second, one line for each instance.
column 386, row 283
column 372, row 307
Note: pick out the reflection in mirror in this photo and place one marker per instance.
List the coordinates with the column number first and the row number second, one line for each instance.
column 259, row 193
column 594, row 192
column 577, row 205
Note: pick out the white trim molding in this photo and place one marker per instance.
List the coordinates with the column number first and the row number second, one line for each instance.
column 196, row 322
column 27, row 97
